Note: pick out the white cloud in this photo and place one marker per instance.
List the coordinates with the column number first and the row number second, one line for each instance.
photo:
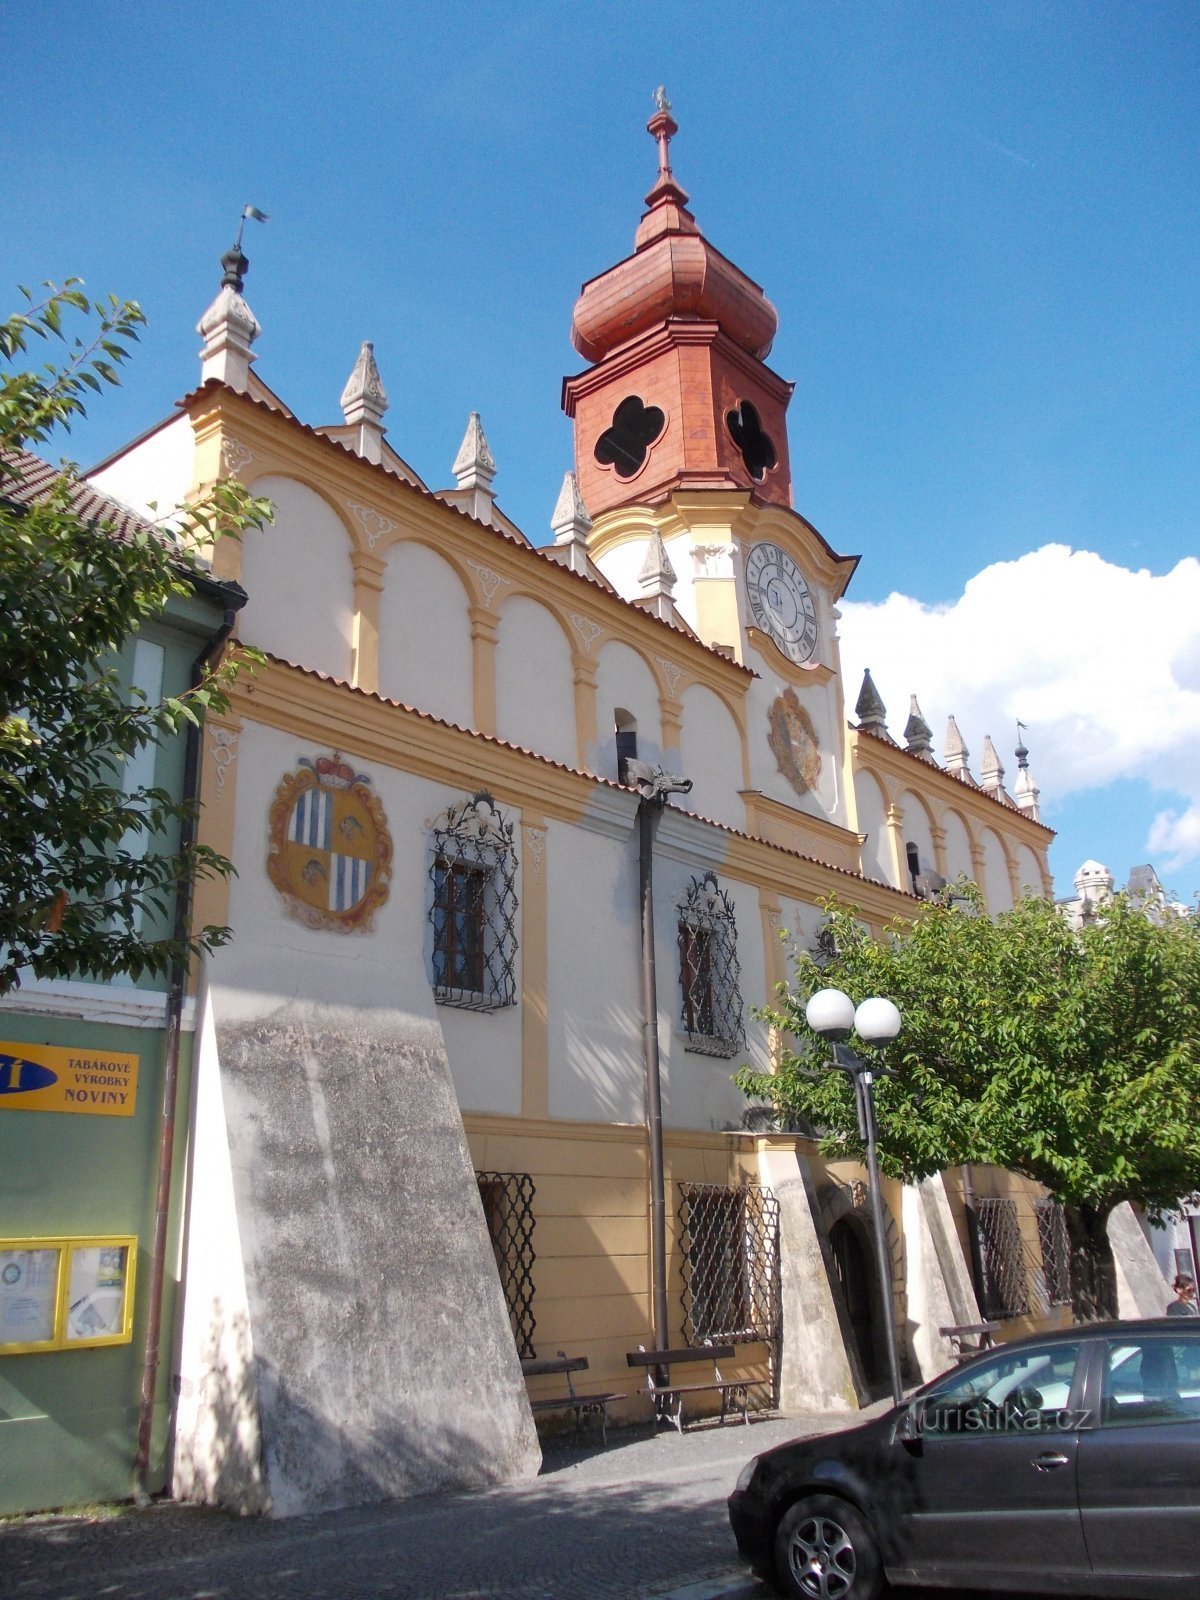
column 1102, row 664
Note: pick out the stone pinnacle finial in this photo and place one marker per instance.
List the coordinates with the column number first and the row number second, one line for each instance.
column 474, row 466
column 870, row 709
column 571, row 524
column 956, row 754
column 991, row 773
column 918, row 735
column 364, row 394
column 569, row 519
column 364, row 401
column 657, row 576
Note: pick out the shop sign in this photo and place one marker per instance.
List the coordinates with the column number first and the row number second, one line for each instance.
column 42, row 1077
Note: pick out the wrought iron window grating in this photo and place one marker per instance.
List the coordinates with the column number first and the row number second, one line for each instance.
column 709, row 972
column 1006, row 1282
column 507, row 1199
column 473, row 905
column 730, row 1243
column 1056, row 1250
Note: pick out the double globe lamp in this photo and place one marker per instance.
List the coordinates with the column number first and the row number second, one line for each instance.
column 833, row 1016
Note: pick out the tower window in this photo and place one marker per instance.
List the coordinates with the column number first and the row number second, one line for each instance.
column 626, row 731
column 746, row 431
column 914, row 863
column 635, row 427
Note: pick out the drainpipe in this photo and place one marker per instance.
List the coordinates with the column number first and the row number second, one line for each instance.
column 977, row 1273
column 653, row 785
column 234, row 598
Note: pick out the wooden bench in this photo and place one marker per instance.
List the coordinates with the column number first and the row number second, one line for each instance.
column 667, row 1397
column 585, row 1406
column 967, row 1339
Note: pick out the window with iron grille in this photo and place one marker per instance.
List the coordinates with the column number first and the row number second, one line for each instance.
column 1056, row 1250
column 1006, row 1285
column 473, row 906
column 507, row 1199
column 709, row 973
column 730, row 1244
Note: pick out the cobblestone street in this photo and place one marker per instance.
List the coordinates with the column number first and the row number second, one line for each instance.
column 645, row 1517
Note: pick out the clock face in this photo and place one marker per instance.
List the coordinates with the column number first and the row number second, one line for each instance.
column 781, row 601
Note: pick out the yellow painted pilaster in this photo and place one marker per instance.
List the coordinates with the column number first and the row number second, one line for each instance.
column 368, row 586
column 535, row 1009
column 895, row 827
column 587, row 733
column 939, row 849
column 218, row 790
column 671, row 713
column 483, row 665
column 774, row 961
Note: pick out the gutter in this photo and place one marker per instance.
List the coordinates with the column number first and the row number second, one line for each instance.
column 234, row 598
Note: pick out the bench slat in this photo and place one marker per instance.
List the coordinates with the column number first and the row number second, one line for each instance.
column 540, row 1368
column 666, row 1358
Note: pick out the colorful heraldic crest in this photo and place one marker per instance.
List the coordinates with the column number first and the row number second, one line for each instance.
column 330, row 853
column 793, row 740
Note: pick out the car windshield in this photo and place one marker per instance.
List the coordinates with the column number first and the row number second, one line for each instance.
column 1008, row 1391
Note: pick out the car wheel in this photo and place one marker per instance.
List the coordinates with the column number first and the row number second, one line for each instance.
column 824, row 1550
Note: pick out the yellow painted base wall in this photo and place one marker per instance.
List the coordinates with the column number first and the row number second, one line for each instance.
column 591, row 1238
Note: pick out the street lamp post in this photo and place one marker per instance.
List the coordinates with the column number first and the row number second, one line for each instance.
column 832, row 1015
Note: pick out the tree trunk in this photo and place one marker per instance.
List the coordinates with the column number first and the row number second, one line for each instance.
column 1093, row 1274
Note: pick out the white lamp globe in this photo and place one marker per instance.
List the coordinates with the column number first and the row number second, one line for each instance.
column 830, row 1013
column 877, row 1021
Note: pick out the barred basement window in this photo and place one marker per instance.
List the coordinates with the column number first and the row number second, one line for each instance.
column 1006, row 1289
column 709, row 973
column 507, row 1199
column 1056, row 1250
column 473, row 906
column 730, row 1242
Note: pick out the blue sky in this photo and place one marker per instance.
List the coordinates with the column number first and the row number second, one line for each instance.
column 978, row 224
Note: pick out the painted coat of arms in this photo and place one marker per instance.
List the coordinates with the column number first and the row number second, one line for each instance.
column 330, row 852
column 793, row 741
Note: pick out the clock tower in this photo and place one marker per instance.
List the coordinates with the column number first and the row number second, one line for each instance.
column 678, row 395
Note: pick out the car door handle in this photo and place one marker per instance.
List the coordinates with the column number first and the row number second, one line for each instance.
column 1052, row 1458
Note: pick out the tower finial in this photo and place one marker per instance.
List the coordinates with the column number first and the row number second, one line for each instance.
column 234, row 260
column 663, row 128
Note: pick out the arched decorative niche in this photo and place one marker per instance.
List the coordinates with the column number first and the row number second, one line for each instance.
column 1029, row 871
column 300, row 580
column 958, row 847
column 872, row 807
column 920, row 857
column 997, row 885
column 626, row 700
column 425, row 651
column 711, row 756
column 535, row 681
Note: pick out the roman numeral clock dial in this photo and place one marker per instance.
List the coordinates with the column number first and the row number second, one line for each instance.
column 781, row 601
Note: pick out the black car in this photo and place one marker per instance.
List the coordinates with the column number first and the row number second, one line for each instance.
column 1065, row 1464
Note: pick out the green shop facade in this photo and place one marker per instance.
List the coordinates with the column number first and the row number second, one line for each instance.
column 94, row 1078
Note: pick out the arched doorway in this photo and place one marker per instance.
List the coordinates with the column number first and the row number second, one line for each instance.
column 856, row 1275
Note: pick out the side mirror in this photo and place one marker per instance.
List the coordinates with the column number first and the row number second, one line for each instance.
column 909, row 1426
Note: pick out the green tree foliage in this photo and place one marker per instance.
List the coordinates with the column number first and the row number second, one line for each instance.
column 1071, row 1057
column 89, row 873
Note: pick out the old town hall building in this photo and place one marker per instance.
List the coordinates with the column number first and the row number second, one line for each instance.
column 417, row 1145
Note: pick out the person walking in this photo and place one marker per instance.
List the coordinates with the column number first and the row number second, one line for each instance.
column 1184, row 1303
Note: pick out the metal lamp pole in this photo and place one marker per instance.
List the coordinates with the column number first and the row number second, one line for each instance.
column 832, row 1015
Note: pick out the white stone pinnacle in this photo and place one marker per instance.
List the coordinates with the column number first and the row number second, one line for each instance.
column 956, row 754
column 364, row 397
column 473, row 466
column 228, row 329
